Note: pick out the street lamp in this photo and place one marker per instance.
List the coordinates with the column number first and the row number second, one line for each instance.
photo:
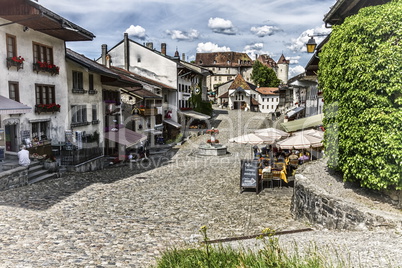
column 311, row 45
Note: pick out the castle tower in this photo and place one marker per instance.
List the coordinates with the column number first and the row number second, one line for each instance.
column 283, row 69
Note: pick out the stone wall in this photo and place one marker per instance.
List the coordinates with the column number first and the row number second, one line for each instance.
column 12, row 178
column 320, row 208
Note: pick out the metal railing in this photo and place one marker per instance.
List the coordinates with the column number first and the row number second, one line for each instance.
column 78, row 156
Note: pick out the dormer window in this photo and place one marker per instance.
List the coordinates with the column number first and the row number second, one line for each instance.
column 228, row 62
column 214, row 61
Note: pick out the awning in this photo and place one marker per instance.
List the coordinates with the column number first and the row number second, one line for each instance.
column 195, row 115
column 295, row 111
column 172, row 123
column 8, row 106
column 125, row 137
column 304, row 123
column 154, row 131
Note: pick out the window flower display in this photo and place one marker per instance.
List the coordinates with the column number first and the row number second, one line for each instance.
column 46, row 67
column 15, row 61
column 47, row 108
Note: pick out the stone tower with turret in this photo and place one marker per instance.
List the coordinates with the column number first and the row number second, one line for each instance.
column 283, row 69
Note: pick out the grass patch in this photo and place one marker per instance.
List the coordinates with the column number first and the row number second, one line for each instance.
column 271, row 255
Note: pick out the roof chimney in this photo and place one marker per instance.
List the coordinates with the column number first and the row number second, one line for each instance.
column 104, row 52
column 149, row 45
column 163, row 48
column 126, row 52
column 183, row 57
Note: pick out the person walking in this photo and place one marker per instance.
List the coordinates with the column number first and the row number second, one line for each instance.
column 23, row 157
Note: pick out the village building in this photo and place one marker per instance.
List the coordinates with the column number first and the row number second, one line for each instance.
column 35, row 74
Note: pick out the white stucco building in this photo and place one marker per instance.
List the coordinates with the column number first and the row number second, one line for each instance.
column 268, row 99
column 30, row 31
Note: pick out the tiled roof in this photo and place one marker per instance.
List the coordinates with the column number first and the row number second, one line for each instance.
column 239, row 82
column 223, row 59
column 267, row 61
column 224, row 95
column 88, row 63
column 268, row 90
column 283, row 60
column 254, row 102
column 36, row 17
column 143, row 93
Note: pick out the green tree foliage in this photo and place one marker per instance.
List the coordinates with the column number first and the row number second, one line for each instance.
column 361, row 75
column 264, row 76
column 199, row 105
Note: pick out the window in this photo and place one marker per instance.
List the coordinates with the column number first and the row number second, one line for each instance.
column 78, row 83
column 95, row 114
column 263, row 107
column 42, row 53
column 40, row 130
column 13, row 91
column 45, row 94
column 91, row 82
column 79, row 114
column 11, row 46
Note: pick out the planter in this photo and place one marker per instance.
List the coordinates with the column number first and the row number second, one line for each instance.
column 47, row 108
column 15, row 62
column 45, row 67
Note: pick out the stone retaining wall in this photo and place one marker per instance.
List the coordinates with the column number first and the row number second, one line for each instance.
column 312, row 203
column 12, row 178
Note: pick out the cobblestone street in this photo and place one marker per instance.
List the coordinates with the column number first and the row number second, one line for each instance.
column 120, row 217
column 123, row 217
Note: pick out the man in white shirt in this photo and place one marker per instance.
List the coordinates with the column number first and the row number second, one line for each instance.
column 23, row 157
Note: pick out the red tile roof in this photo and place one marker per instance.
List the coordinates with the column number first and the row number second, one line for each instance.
column 268, row 90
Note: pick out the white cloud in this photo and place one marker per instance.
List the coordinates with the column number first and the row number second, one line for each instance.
column 293, row 71
column 264, row 30
column 222, row 26
column 254, row 49
column 299, row 43
column 293, row 60
column 211, row 47
column 136, row 31
column 183, row 35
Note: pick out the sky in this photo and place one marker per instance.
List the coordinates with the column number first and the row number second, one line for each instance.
column 271, row 27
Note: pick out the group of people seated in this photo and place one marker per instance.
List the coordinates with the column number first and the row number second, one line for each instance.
column 274, row 160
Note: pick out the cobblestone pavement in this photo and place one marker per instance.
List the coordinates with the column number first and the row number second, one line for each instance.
column 123, row 217
column 119, row 217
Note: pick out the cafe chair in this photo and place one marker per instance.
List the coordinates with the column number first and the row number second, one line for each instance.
column 276, row 176
column 267, row 178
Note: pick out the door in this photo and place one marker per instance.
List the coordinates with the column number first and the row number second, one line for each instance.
column 11, row 138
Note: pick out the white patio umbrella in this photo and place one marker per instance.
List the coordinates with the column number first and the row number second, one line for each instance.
column 311, row 132
column 300, row 142
column 272, row 132
column 252, row 138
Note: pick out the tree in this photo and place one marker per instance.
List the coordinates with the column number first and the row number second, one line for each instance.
column 264, row 76
column 360, row 72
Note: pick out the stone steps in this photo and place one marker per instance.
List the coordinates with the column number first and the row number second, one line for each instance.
column 37, row 173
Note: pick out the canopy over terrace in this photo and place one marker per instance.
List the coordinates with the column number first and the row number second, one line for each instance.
column 299, row 124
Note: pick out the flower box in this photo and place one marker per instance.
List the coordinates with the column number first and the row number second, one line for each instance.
column 47, row 108
column 46, row 67
column 15, row 61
